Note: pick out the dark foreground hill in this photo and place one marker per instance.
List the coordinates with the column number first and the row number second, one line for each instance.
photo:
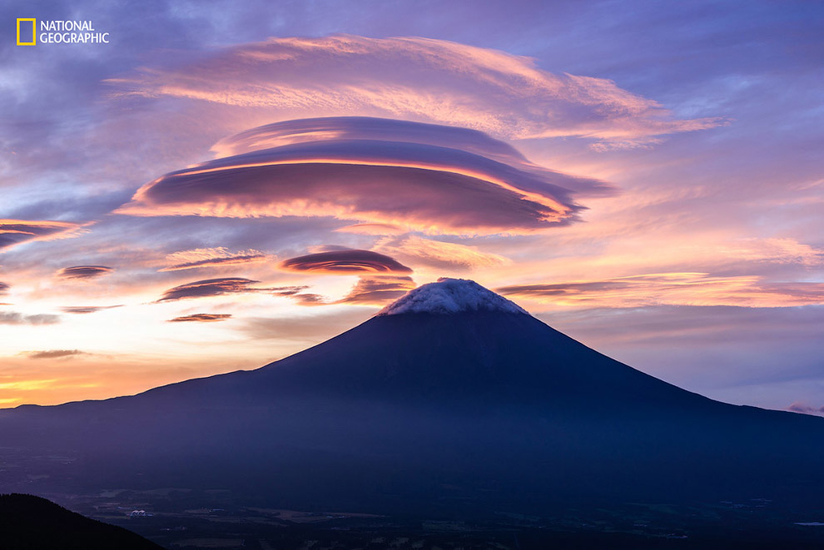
column 452, row 402
column 28, row 522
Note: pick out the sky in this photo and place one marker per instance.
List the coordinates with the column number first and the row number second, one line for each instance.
column 223, row 184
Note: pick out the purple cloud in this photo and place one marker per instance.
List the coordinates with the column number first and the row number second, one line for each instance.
column 398, row 179
column 202, row 318
column 84, row 310
column 804, row 408
column 14, row 232
column 15, row 318
column 211, row 257
column 221, row 286
column 419, row 78
column 84, row 271
column 54, row 354
column 345, row 261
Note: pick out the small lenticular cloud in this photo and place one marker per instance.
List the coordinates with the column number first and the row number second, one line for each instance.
column 84, row 310
column 84, row 271
column 345, row 262
column 54, row 354
column 202, row 318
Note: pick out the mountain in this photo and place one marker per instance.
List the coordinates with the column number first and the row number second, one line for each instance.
column 28, row 522
column 451, row 400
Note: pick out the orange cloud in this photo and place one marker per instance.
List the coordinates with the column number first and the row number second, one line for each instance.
column 439, row 254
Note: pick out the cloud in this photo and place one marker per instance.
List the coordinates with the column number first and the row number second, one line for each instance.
column 372, row 229
column 83, row 310
column 15, row 318
column 53, row 354
column 221, row 286
column 344, row 262
column 696, row 289
column 14, row 232
column 398, row 178
column 306, row 328
column 84, row 271
column 371, row 290
column 202, row 318
column 4, row 288
column 804, row 408
column 209, row 287
column 418, row 78
column 439, row 254
column 211, row 257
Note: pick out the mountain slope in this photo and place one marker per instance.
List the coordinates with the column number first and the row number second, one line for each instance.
column 28, row 522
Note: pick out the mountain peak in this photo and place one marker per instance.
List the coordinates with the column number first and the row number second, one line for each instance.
column 449, row 296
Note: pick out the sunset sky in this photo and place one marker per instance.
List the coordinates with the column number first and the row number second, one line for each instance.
column 219, row 187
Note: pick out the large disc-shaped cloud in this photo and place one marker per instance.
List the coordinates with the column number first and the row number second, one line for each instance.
column 403, row 175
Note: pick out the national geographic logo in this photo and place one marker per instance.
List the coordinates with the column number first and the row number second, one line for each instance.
column 58, row 32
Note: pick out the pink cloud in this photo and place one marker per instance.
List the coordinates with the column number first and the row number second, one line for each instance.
column 84, row 272
column 345, row 261
column 400, row 181
column 694, row 289
column 14, row 232
column 415, row 78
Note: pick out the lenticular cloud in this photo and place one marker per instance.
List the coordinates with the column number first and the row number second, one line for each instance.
column 420, row 177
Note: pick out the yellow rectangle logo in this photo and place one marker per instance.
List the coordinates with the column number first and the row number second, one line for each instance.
column 33, row 22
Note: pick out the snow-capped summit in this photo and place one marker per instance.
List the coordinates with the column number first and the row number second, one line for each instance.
column 451, row 296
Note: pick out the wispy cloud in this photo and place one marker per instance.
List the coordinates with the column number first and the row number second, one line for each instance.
column 226, row 285
column 14, row 232
column 53, row 354
column 439, row 254
column 371, row 290
column 804, row 408
column 84, row 310
column 16, row 318
column 671, row 289
column 212, row 257
column 419, row 78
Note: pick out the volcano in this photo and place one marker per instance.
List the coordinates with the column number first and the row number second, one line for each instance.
column 452, row 398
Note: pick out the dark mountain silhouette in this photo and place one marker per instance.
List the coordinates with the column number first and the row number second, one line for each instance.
column 451, row 400
column 28, row 522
